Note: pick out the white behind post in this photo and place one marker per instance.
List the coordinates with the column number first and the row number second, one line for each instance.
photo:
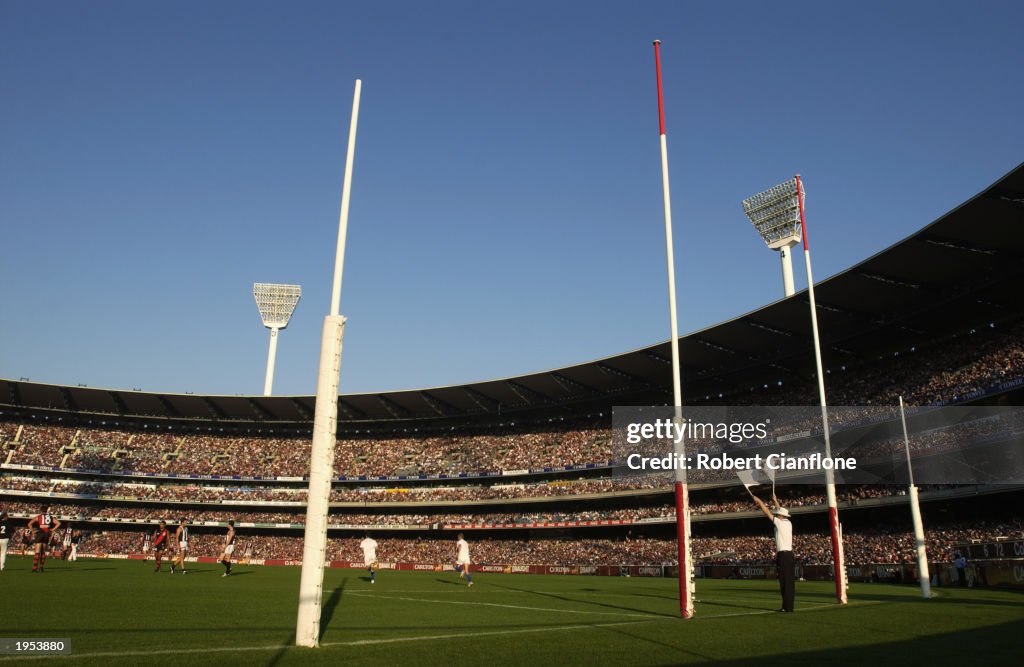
column 920, row 545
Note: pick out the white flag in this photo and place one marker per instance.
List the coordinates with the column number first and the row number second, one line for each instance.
column 747, row 477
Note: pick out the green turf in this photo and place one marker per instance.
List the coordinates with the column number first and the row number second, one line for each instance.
column 120, row 612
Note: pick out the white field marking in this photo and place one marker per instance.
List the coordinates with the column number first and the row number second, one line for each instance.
column 521, row 591
column 709, row 617
column 128, row 654
column 365, row 642
column 819, row 607
column 508, row 606
column 386, row 593
column 718, row 599
column 490, row 633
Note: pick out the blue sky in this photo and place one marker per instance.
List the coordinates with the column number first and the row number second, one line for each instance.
column 159, row 158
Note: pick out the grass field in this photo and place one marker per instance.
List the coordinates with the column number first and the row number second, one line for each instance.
column 120, row 612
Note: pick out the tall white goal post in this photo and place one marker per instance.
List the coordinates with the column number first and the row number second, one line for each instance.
column 325, row 427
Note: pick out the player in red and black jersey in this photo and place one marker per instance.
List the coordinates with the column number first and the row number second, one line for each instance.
column 161, row 538
column 43, row 525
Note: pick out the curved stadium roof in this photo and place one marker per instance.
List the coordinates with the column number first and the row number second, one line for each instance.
column 968, row 262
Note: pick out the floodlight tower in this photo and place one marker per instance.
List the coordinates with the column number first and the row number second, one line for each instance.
column 778, row 213
column 276, row 304
column 777, row 220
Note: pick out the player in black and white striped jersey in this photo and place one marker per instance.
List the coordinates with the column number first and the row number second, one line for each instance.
column 65, row 541
column 229, row 548
column 6, row 530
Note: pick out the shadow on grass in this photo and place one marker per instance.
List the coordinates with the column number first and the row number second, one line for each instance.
column 592, row 603
column 994, row 644
column 939, row 599
column 327, row 611
column 286, row 645
column 717, row 603
column 657, row 596
column 636, row 637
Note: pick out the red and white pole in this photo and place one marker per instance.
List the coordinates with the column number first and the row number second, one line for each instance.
column 838, row 561
column 682, row 493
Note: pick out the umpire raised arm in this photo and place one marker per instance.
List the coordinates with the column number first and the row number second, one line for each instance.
column 784, row 562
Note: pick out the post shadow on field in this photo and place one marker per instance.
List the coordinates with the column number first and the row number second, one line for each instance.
column 593, row 603
column 327, row 611
column 941, row 596
column 633, row 637
column 993, row 644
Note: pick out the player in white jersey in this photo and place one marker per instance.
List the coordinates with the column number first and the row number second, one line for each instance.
column 181, row 537
column 369, row 547
column 462, row 560
column 76, row 538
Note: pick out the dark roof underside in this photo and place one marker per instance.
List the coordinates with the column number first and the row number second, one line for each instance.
column 963, row 268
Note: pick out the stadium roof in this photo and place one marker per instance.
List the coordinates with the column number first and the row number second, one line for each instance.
column 964, row 268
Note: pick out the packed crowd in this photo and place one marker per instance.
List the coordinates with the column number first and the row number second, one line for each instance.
column 942, row 372
column 99, row 487
column 392, row 516
column 70, row 512
column 878, row 545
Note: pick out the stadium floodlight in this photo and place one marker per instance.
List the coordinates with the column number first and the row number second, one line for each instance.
column 775, row 214
column 276, row 304
column 686, row 580
column 778, row 215
column 920, row 545
column 325, row 426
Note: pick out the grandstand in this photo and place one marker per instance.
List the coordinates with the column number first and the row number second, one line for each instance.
column 522, row 465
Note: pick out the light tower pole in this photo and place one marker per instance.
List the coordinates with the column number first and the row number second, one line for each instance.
column 775, row 221
column 276, row 304
column 778, row 216
column 325, row 426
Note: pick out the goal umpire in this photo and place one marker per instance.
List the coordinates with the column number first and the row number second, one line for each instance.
column 784, row 562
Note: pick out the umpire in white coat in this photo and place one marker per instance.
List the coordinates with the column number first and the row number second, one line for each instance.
column 784, row 563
